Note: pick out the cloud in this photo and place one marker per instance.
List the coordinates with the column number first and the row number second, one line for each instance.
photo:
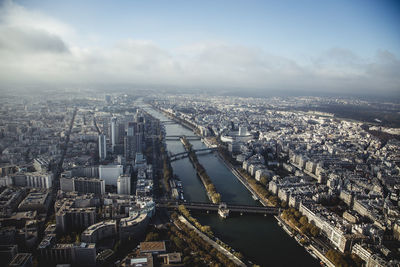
column 37, row 49
column 23, row 40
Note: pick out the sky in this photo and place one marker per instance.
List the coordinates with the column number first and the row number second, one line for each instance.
column 317, row 46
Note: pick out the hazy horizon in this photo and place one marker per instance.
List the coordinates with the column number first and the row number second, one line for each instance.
column 224, row 47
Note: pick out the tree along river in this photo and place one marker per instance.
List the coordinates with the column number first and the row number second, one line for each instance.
column 259, row 238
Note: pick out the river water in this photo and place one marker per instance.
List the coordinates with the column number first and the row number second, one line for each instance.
column 258, row 237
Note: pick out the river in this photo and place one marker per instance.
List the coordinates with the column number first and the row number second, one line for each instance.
column 257, row 237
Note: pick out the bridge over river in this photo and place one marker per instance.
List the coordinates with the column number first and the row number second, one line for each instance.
column 242, row 209
column 178, row 137
column 185, row 154
column 168, row 122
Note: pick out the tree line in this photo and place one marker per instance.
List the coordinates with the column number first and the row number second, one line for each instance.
column 212, row 192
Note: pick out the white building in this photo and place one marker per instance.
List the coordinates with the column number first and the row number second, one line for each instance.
column 5, row 181
column 33, row 179
column 124, row 185
column 114, row 133
column 110, row 173
column 40, row 180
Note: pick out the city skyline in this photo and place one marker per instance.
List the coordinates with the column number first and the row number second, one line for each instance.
column 335, row 47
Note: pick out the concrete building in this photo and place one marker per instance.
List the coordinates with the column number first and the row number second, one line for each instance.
column 75, row 218
column 124, row 185
column 36, row 200
column 89, row 171
column 6, row 181
column 130, row 141
column 78, row 254
column 33, row 179
column 99, row 231
column 75, row 213
column 40, row 164
column 10, row 198
column 102, row 147
column 333, row 229
column 362, row 252
column 67, row 184
column 83, row 185
column 39, row 180
column 133, row 226
column 114, row 133
column 110, row 173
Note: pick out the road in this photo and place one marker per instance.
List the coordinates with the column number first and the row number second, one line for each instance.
column 64, row 152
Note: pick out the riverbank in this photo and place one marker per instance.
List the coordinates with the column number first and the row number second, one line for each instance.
column 310, row 248
column 178, row 120
column 243, row 181
column 259, row 238
column 212, row 193
column 214, row 244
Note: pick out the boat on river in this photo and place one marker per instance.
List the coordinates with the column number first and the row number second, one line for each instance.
column 223, row 210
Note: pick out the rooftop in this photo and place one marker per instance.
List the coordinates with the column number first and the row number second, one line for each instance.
column 158, row 246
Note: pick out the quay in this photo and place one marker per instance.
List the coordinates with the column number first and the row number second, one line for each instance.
column 214, row 244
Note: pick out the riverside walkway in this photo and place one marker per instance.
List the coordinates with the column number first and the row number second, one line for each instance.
column 217, row 246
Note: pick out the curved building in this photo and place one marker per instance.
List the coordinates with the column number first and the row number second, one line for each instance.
column 99, row 231
column 133, row 226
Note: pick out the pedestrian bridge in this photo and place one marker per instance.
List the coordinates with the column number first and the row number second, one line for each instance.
column 210, row 207
column 185, row 154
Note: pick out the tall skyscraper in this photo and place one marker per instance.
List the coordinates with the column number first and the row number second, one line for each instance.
column 124, row 185
column 107, row 98
column 121, row 132
column 102, row 147
column 139, row 132
column 130, row 141
column 114, row 133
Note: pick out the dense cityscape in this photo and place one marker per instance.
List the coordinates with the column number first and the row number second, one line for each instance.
column 93, row 181
column 199, row 133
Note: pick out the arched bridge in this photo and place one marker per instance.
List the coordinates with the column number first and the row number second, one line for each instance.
column 242, row 209
column 184, row 154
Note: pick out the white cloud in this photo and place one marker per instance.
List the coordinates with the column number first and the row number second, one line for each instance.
column 35, row 49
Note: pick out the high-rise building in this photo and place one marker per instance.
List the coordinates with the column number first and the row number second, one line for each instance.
column 107, row 98
column 114, row 133
column 139, row 133
column 102, row 147
column 124, row 185
column 139, row 142
column 121, row 132
column 131, row 129
column 130, row 141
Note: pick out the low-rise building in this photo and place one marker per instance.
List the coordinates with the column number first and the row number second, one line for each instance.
column 79, row 254
column 36, row 200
